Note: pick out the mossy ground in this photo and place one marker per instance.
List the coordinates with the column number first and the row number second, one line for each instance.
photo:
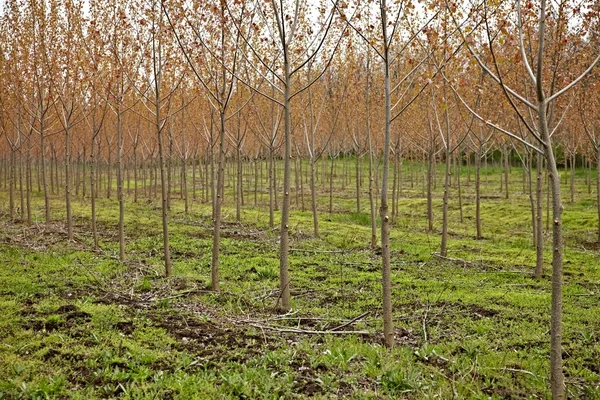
column 79, row 324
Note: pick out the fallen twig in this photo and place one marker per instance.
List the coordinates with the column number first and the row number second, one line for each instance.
column 353, row 320
column 319, row 251
column 455, row 260
column 309, row 332
column 518, row 370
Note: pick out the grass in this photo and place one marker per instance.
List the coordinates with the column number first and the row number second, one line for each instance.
column 80, row 324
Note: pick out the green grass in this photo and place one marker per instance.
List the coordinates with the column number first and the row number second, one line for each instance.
column 79, row 324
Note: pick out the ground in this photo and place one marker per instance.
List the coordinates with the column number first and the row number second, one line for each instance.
column 79, row 324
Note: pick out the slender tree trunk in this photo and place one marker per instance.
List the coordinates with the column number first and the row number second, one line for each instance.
column 77, row 168
column 506, row 171
column 598, row 188
column 240, row 183
column 548, row 190
column 589, row 176
column 539, row 243
column 44, row 175
column 478, row 155
column 109, row 171
column 256, row 182
column 83, row 173
column 460, row 203
column 572, row 178
column 297, row 181
column 275, row 186
column 194, row 166
column 468, row 156
column 430, row 179
column 93, row 186
column 217, row 207
column 11, row 183
column 528, row 164
column 21, row 189
column 272, row 188
column 284, row 278
column 358, row 173
column 388, row 326
column 135, row 173
column 372, row 199
column 394, row 185
column 184, row 181
column 169, row 160
column 29, row 180
column 331, row 185
column 313, row 196
column 301, row 184
column 120, row 196
column 68, row 180
column 444, row 246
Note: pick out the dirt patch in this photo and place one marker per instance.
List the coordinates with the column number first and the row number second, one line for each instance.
column 478, row 312
column 211, row 339
column 66, row 316
column 501, row 392
column 125, row 327
column 67, row 308
column 38, row 237
column 591, row 245
column 305, row 380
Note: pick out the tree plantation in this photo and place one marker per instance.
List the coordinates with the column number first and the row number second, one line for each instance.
column 294, row 198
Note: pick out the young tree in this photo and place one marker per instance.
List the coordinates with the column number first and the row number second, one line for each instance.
column 389, row 45
column 159, row 81
column 282, row 24
column 217, row 77
column 533, row 57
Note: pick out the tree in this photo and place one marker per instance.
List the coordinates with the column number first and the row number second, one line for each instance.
column 218, row 79
column 541, row 106
column 283, row 23
column 389, row 46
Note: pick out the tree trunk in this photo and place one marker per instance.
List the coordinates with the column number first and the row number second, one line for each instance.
column 284, row 278
column 598, row 188
column 11, row 184
column 256, row 182
column 528, row 164
column 68, row 180
column 194, row 166
column 394, row 185
column 83, row 172
column 214, row 275
column 109, row 171
column 539, row 235
column 44, row 175
column 572, row 178
column 313, row 197
column 430, row 179
column 29, row 180
column 478, row 155
column 460, row 203
column 120, row 196
column 506, row 171
column 93, row 186
column 444, row 246
column 358, row 176
column 135, row 173
column 388, row 326
column 271, row 188
column 169, row 160
column 159, row 124
column 301, row 184
column 331, row 184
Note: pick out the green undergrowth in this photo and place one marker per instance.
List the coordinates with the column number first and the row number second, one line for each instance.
column 77, row 323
